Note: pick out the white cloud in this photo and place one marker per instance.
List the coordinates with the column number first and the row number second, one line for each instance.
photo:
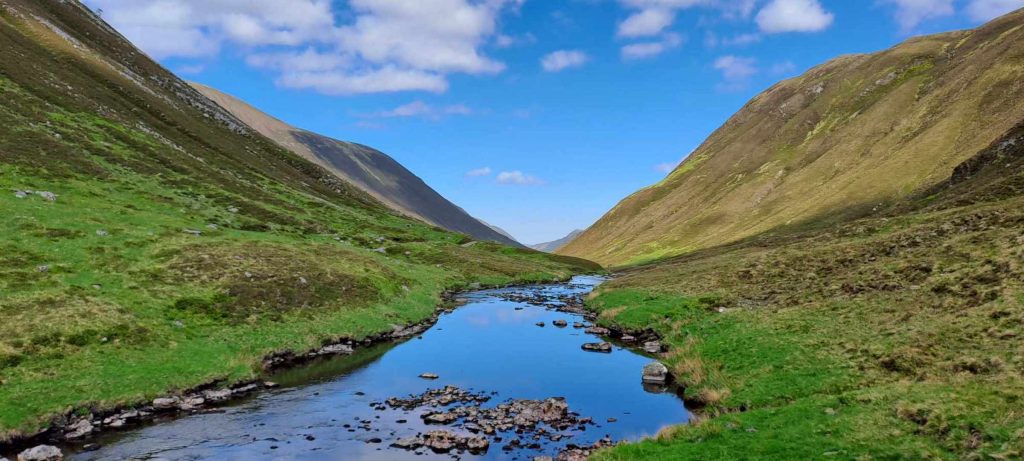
column 646, row 23
column 793, row 16
column 382, row 45
column 518, row 178
column 384, row 80
column 506, row 41
column 736, row 72
column 423, row 110
column 984, row 10
column 485, row 171
column 644, row 50
column 910, row 13
column 563, row 59
column 736, row 68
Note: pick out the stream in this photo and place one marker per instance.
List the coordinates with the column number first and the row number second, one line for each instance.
column 490, row 351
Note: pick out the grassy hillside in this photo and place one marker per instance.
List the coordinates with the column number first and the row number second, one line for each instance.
column 151, row 241
column 896, row 336
column 368, row 169
column 851, row 134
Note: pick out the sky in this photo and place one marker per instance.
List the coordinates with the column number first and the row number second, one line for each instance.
column 537, row 116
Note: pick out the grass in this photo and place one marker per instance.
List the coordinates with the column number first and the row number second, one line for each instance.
column 180, row 249
column 895, row 337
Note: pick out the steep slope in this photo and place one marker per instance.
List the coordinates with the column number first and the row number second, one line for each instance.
column 850, row 134
column 894, row 336
column 551, row 247
column 369, row 169
column 151, row 242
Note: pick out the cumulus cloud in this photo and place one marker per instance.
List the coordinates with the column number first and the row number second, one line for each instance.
column 563, row 59
column 518, row 178
column 793, row 16
column 910, row 13
column 645, row 50
column 984, row 10
column 485, row 171
column 383, row 45
column 736, row 72
column 646, row 23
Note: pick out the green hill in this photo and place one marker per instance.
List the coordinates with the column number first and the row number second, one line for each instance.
column 848, row 135
column 152, row 241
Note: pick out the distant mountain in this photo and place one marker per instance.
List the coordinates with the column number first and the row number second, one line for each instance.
column 857, row 132
column 551, row 247
column 499, row 230
column 368, row 169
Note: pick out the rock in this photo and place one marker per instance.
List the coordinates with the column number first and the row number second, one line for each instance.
column 381, row 250
column 543, row 458
column 655, row 373
column 102, row 233
column 560, row 323
column 166, row 403
column 652, row 347
column 43, row 268
column 577, row 325
column 41, row 453
column 430, row 376
column 477, row 444
column 337, row 349
column 408, row 443
column 50, row 197
column 613, row 420
column 78, row 430
column 20, row 194
column 440, row 441
column 599, row 331
column 573, row 455
column 212, row 226
column 217, row 395
column 598, row 347
column 191, row 403
column 628, row 338
column 540, row 324
column 440, row 418
column 193, row 232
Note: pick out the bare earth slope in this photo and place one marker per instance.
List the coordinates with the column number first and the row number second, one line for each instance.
column 853, row 133
column 369, row 169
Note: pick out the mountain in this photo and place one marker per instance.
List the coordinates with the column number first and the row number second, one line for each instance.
column 551, row 247
column 845, row 137
column 368, row 169
column 151, row 241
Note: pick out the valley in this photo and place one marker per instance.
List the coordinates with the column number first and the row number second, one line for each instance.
column 837, row 272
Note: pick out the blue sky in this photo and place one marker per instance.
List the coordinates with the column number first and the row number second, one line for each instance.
column 534, row 115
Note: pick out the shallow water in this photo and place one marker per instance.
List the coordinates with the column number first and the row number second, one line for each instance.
column 486, row 346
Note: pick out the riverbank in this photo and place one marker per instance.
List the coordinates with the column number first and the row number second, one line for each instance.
column 430, row 396
column 206, row 310
column 895, row 337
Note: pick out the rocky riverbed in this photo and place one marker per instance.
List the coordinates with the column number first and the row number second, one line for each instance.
column 484, row 382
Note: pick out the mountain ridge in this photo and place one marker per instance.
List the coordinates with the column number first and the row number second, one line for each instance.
column 368, row 169
column 554, row 245
column 856, row 131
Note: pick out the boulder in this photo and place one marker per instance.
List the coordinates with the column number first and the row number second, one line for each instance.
column 78, row 430
column 166, row 403
column 560, row 323
column 600, row 331
column 655, row 373
column 41, row 453
column 598, row 347
column 540, row 324
column 577, row 325
column 430, row 376
column 652, row 347
column 217, row 395
column 50, row 197
column 20, row 194
column 628, row 338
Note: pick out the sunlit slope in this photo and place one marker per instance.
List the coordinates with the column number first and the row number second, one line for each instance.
column 151, row 241
column 855, row 132
column 369, row 169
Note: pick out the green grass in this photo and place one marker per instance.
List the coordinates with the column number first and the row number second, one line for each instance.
column 107, row 300
column 887, row 338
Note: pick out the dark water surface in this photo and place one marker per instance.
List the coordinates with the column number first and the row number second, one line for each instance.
column 486, row 346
